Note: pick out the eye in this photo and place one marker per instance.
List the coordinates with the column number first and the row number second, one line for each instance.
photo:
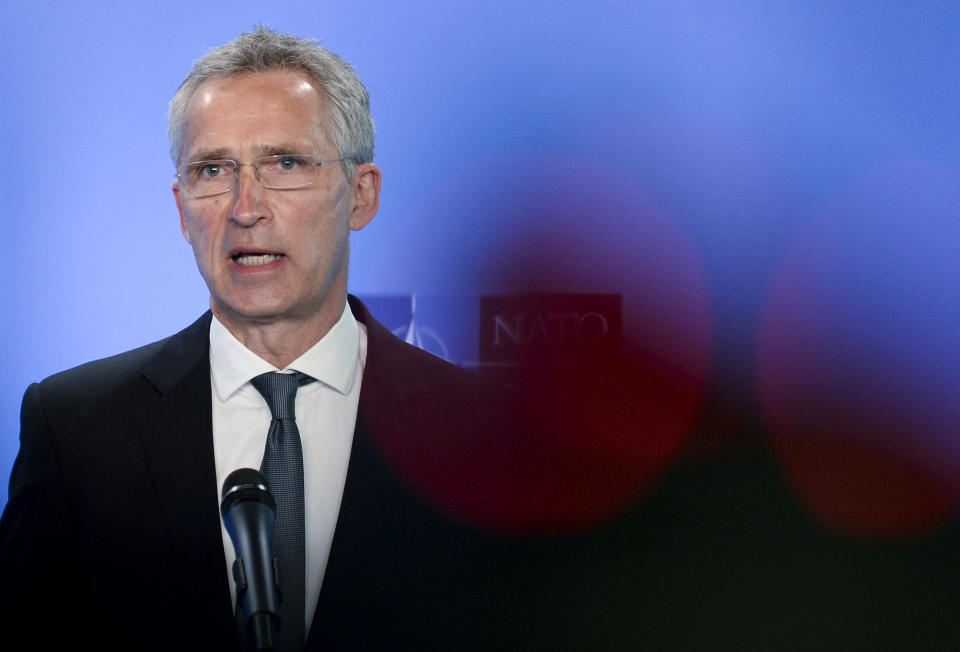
column 209, row 170
column 288, row 163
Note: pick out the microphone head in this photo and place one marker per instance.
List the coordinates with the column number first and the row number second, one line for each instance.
column 242, row 485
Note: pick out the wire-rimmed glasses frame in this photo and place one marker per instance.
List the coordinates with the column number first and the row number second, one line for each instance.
column 212, row 177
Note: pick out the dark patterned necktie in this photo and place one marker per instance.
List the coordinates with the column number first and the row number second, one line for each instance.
column 283, row 468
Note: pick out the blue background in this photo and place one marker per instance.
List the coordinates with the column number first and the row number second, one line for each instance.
column 750, row 125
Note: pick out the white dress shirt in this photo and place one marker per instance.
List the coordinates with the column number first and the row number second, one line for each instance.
column 326, row 415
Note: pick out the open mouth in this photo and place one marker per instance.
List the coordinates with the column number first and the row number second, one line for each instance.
column 250, row 259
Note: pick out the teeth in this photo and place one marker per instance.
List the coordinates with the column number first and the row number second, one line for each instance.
column 256, row 261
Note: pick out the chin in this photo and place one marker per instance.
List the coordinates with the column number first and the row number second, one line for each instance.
column 260, row 311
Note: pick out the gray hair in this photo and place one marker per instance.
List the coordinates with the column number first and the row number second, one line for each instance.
column 349, row 122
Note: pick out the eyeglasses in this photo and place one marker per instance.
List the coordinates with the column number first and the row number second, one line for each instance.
column 280, row 172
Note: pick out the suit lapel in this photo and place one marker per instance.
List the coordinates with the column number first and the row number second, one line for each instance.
column 355, row 551
column 176, row 433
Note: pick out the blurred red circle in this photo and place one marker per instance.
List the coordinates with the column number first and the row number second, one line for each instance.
column 593, row 426
column 858, row 362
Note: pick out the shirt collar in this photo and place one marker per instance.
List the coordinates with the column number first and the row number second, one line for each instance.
column 331, row 361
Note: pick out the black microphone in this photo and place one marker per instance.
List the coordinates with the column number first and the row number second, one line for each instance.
column 249, row 512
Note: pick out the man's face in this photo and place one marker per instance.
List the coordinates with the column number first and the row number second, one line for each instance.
column 271, row 255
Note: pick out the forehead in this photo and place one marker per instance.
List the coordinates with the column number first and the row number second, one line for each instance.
column 243, row 113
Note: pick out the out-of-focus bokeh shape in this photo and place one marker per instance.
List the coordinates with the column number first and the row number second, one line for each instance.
column 859, row 354
column 595, row 425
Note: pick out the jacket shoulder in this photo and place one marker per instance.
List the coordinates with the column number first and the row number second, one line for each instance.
column 128, row 377
column 408, row 373
column 102, row 375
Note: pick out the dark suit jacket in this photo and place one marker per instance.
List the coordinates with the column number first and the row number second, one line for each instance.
column 111, row 536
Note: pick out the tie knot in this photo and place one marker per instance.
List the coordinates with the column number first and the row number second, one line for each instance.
column 280, row 391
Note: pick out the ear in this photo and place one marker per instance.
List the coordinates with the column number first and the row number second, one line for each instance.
column 365, row 186
column 176, row 197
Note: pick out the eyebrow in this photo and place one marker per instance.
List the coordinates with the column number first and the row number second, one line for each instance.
column 273, row 150
column 222, row 153
column 209, row 155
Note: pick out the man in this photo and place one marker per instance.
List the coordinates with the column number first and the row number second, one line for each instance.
column 112, row 535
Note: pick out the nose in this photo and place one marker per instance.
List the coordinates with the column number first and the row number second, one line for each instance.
column 249, row 201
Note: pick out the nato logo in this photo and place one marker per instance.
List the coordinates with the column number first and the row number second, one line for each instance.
column 442, row 325
column 422, row 337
